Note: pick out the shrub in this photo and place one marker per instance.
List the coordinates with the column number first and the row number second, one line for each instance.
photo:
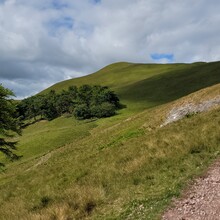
column 104, row 110
column 82, row 112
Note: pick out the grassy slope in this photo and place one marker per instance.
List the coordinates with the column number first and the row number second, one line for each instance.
column 146, row 85
column 116, row 168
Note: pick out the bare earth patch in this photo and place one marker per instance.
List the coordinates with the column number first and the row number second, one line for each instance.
column 201, row 201
column 178, row 113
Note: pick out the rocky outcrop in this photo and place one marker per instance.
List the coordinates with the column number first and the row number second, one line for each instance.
column 178, row 113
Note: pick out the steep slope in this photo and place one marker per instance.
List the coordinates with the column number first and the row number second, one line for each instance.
column 123, row 167
column 146, row 85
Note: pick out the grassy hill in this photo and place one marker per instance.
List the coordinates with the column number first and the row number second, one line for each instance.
column 123, row 167
column 146, row 85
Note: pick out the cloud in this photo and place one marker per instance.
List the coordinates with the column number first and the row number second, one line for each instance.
column 46, row 41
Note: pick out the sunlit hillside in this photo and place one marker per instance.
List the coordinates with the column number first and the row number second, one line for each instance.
column 123, row 167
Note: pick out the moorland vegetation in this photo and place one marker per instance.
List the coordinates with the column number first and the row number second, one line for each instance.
column 122, row 167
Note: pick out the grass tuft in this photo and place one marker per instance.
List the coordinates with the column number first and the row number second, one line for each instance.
column 122, row 167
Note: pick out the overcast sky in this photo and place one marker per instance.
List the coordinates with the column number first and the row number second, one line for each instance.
column 46, row 41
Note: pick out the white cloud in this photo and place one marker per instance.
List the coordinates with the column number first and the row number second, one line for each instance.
column 45, row 41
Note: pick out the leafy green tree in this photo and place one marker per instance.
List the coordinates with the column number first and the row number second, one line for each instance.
column 22, row 108
column 50, row 105
column 96, row 101
column 82, row 111
column 103, row 110
column 8, row 125
column 66, row 101
column 31, row 107
column 84, row 95
column 103, row 94
column 73, row 91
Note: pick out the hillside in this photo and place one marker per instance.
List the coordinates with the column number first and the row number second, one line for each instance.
column 140, row 86
column 122, row 167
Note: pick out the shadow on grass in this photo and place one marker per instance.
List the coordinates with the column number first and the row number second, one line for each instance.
column 172, row 85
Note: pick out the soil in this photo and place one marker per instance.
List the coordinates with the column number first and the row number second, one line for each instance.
column 201, row 201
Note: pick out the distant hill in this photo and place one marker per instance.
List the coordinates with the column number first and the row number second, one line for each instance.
column 146, row 85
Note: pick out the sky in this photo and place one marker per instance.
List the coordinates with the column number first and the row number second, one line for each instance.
column 46, row 41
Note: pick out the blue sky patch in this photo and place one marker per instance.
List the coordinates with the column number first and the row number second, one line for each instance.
column 161, row 56
column 65, row 22
column 58, row 4
column 97, row 1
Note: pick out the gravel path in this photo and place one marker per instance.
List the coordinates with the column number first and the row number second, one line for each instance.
column 201, row 201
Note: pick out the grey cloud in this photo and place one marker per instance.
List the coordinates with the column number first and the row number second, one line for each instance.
column 34, row 55
column 28, row 79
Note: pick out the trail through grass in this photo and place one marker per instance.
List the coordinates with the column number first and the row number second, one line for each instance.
column 123, row 167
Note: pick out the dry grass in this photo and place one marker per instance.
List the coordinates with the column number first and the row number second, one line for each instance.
column 124, row 167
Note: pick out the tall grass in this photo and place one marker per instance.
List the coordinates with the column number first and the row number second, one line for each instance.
column 129, row 172
column 123, row 167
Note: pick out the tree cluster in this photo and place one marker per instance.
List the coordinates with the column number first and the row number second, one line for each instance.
column 84, row 102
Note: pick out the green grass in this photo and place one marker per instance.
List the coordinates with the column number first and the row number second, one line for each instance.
column 141, row 86
column 117, row 172
column 123, row 167
column 45, row 136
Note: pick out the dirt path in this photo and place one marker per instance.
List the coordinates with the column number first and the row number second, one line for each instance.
column 40, row 161
column 201, row 201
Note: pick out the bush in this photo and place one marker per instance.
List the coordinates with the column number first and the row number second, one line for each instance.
column 104, row 110
column 82, row 112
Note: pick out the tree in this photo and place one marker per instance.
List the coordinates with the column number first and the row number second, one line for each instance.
column 84, row 102
column 66, row 101
column 82, row 111
column 8, row 123
column 50, row 105
column 102, row 94
column 103, row 110
column 95, row 101
column 84, row 95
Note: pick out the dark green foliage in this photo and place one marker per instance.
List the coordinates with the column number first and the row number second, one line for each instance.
column 51, row 105
column 85, row 94
column 84, row 102
column 82, row 111
column 31, row 107
column 96, row 101
column 8, row 123
column 103, row 94
column 66, row 101
column 105, row 109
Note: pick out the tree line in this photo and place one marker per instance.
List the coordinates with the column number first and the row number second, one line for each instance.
column 83, row 102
